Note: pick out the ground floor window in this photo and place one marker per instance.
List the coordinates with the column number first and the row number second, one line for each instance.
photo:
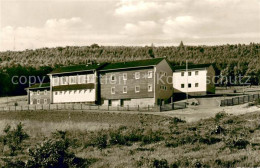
column 121, row 102
column 45, row 101
column 109, row 102
column 38, row 101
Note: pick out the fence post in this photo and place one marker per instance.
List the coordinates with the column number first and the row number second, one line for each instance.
column 160, row 108
column 172, row 106
column 138, row 107
column 81, row 106
column 108, row 107
column 127, row 107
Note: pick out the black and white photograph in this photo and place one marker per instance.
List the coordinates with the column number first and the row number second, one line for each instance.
column 129, row 83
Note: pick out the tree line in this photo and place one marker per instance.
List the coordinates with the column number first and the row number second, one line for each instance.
column 229, row 60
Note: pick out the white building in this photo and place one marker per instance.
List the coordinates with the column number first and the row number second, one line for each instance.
column 197, row 80
column 74, row 84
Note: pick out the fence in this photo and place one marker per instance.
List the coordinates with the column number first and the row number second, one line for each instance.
column 173, row 106
column 239, row 100
column 75, row 106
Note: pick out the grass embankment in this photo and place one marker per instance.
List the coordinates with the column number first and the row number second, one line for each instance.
column 137, row 140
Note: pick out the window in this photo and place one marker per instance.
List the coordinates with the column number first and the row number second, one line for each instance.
column 189, row 85
column 64, row 80
column 137, row 75
column 113, row 90
column 182, row 85
column 83, row 79
column 182, row 73
column 72, row 79
column 55, row 81
column 137, row 89
column 45, row 92
column 90, row 90
column 38, row 101
column 162, row 87
column 45, row 101
column 125, row 89
column 38, row 92
column 150, row 74
column 150, row 87
column 124, row 76
column 56, row 93
column 196, row 72
column 90, row 78
column 189, row 73
column 113, row 78
column 163, row 73
column 60, row 92
column 109, row 102
column 196, row 84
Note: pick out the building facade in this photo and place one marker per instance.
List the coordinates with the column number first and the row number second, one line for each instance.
column 197, row 80
column 136, row 83
column 75, row 84
column 39, row 94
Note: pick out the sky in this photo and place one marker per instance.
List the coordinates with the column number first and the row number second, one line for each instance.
column 32, row 24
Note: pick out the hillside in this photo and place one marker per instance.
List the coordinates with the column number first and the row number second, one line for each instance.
column 130, row 140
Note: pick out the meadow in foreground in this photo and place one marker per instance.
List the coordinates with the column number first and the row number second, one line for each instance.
column 131, row 140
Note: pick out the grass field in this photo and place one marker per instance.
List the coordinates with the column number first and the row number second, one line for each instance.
column 144, row 140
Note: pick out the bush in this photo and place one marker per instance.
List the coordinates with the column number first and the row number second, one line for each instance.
column 177, row 120
column 219, row 116
column 163, row 163
column 54, row 154
column 99, row 139
column 151, row 137
column 14, row 138
column 238, row 144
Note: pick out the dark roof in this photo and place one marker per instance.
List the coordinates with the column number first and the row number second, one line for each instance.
column 74, row 87
column 76, row 68
column 192, row 66
column 39, row 85
column 132, row 64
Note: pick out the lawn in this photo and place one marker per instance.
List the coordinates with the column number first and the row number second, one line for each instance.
column 140, row 140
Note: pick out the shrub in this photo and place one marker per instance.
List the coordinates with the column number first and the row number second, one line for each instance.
column 238, row 144
column 177, row 120
column 163, row 163
column 117, row 138
column 14, row 138
column 54, row 153
column 151, row 137
column 219, row 116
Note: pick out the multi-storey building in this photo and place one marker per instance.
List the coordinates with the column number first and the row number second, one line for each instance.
column 144, row 82
column 39, row 94
column 75, row 84
column 196, row 80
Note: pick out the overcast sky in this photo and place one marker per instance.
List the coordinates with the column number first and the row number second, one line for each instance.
column 30, row 24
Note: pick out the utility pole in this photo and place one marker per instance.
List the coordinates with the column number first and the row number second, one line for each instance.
column 187, row 96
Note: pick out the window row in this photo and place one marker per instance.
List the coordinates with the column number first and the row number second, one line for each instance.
column 38, row 92
column 84, row 91
column 189, row 85
column 137, row 89
column 137, row 75
column 79, row 79
column 44, row 101
column 190, row 73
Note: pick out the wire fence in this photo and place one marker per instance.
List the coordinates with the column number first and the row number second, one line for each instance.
column 88, row 107
column 239, row 100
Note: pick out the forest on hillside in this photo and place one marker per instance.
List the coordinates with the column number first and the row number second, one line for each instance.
column 228, row 60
